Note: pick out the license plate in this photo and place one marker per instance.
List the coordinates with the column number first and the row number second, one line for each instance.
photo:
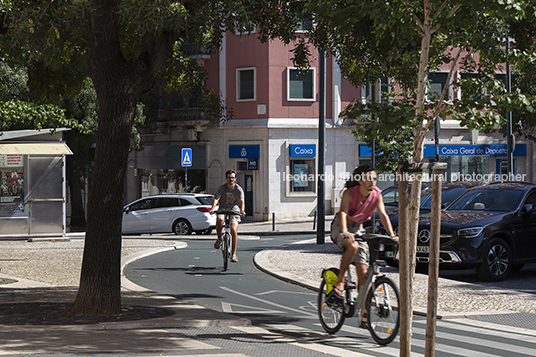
column 423, row 249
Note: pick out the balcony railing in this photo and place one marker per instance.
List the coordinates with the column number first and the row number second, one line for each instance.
column 195, row 51
column 186, row 114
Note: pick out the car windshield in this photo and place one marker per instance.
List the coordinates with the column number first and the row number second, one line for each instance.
column 487, row 199
column 446, row 196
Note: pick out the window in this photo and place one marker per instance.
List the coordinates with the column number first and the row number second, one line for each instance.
column 245, row 29
column 471, row 76
column 245, row 84
column 303, row 175
column 185, row 202
column 305, row 26
column 436, row 84
column 166, row 202
column 384, row 88
column 143, row 204
column 301, row 84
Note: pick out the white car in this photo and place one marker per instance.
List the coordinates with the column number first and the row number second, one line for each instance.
column 181, row 214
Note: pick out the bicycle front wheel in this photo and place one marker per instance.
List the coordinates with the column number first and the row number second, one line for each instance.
column 330, row 311
column 225, row 248
column 382, row 308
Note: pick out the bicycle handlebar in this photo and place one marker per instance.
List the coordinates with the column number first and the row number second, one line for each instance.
column 376, row 239
column 225, row 211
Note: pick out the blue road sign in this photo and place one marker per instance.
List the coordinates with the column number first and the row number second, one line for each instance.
column 186, row 157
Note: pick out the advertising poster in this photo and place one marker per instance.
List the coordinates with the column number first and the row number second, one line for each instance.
column 11, row 184
column 300, row 175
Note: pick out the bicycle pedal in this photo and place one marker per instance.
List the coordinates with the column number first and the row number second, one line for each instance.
column 351, row 285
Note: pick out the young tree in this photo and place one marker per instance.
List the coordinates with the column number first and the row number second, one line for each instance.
column 122, row 45
column 404, row 40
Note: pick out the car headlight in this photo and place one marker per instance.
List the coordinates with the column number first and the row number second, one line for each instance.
column 470, row 232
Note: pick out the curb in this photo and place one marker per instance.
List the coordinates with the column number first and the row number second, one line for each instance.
column 263, row 263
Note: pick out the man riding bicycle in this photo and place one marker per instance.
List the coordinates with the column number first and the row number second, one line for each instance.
column 231, row 196
column 359, row 201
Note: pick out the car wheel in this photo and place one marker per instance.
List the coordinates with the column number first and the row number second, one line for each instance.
column 497, row 261
column 182, row 227
column 204, row 231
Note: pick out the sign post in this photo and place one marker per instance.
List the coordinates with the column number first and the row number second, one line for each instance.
column 186, row 161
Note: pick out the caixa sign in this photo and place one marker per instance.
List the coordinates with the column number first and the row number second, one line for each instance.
column 303, row 150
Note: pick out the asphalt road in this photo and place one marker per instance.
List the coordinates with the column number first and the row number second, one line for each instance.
column 194, row 274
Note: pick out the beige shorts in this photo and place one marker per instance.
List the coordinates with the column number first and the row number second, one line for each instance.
column 235, row 219
column 362, row 255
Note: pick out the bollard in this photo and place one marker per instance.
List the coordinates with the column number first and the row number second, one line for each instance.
column 314, row 222
column 273, row 221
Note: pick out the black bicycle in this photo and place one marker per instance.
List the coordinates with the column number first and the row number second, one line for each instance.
column 226, row 236
column 379, row 293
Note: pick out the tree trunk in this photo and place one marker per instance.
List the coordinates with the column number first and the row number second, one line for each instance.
column 413, row 215
column 118, row 84
column 405, row 284
column 433, row 265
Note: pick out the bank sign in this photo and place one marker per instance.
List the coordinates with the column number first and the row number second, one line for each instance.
column 244, row 152
column 303, row 150
column 486, row 150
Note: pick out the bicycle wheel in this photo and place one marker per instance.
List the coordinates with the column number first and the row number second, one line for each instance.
column 382, row 308
column 330, row 311
column 225, row 249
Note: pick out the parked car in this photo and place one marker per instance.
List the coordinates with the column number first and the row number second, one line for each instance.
column 391, row 197
column 449, row 192
column 181, row 214
column 491, row 228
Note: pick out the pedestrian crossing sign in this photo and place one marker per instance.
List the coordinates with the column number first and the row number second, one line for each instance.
column 186, row 157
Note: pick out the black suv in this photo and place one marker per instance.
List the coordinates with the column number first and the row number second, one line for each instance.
column 491, row 228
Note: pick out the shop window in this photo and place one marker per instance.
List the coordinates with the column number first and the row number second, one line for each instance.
column 301, row 84
column 170, row 181
column 11, row 185
column 245, row 84
column 302, row 175
column 465, row 166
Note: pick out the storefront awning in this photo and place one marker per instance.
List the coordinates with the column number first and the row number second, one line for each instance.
column 42, row 148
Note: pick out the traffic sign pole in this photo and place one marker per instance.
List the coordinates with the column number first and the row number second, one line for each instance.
column 186, row 161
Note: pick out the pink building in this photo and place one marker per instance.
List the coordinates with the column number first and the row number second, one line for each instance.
column 272, row 140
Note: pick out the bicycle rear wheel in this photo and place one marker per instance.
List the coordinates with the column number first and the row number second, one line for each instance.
column 382, row 308
column 225, row 249
column 330, row 310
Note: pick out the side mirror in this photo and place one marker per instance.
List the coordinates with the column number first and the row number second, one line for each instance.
column 527, row 209
column 126, row 210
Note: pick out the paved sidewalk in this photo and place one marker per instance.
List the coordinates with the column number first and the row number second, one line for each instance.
column 48, row 270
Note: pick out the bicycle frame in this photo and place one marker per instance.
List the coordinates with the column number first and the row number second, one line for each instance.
column 373, row 273
column 378, row 295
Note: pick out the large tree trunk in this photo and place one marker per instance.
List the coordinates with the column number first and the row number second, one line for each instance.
column 119, row 84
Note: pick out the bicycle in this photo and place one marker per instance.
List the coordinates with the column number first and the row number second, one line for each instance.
column 226, row 236
column 379, row 293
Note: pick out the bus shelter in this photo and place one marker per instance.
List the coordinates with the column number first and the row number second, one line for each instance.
column 32, row 179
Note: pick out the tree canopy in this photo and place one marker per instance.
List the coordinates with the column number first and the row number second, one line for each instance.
column 122, row 46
